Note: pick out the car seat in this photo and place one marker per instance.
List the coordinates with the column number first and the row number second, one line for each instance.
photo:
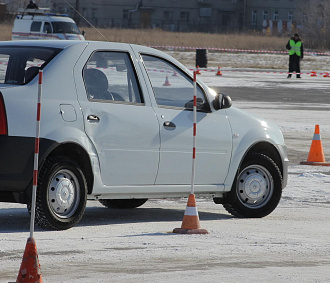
column 96, row 84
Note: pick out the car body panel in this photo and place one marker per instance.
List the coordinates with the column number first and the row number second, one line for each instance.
column 253, row 130
column 214, row 143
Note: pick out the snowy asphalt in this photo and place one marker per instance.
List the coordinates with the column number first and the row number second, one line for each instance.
column 290, row 245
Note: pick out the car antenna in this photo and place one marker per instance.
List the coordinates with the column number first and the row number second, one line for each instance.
column 86, row 20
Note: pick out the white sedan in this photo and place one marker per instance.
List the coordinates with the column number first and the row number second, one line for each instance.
column 116, row 126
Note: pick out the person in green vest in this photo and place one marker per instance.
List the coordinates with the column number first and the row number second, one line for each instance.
column 296, row 53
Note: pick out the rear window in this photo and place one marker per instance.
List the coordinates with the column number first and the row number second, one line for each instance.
column 19, row 65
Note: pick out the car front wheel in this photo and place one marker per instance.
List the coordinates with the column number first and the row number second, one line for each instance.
column 61, row 194
column 257, row 189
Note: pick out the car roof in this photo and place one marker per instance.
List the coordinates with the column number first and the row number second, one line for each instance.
column 45, row 18
column 42, row 43
column 63, row 44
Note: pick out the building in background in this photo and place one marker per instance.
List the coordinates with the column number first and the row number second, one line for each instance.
column 173, row 15
column 272, row 16
column 269, row 16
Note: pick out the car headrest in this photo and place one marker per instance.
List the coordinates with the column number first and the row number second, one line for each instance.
column 30, row 73
column 95, row 80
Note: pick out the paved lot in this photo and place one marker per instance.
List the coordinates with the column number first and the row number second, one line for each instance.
column 290, row 245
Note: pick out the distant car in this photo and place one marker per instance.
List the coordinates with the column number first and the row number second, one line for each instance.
column 39, row 24
column 116, row 126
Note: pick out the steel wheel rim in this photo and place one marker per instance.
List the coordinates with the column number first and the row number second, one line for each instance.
column 255, row 186
column 64, row 193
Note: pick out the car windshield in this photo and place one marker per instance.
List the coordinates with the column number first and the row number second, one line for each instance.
column 65, row 27
column 20, row 64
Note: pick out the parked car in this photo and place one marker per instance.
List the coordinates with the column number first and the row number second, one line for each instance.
column 39, row 24
column 116, row 126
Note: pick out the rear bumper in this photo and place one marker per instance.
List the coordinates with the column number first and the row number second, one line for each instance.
column 16, row 162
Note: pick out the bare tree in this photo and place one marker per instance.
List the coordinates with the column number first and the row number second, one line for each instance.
column 315, row 18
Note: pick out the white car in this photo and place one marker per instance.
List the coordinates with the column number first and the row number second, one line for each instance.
column 38, row 24
column 116, row 126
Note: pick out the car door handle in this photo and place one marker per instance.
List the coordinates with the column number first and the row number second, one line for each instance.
column 169, row 124
column 93, row 118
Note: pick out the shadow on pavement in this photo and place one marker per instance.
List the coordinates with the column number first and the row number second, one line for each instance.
column 16, row 220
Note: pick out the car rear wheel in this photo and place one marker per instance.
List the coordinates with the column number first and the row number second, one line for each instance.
column 61, row 194
column 257, row 189
column 123, row 203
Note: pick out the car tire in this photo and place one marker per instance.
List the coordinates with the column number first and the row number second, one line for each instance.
column 61, row 194
column 257, row 188
column 123, row 203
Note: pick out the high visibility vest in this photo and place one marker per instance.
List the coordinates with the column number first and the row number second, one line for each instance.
column 295, row 47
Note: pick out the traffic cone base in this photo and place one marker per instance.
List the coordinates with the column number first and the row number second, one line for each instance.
column 190, row 222
column 30, row 268
column 315, row 163
column 190, row 231
column 316, row 153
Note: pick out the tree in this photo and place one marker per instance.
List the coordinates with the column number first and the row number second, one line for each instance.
column 315, row 18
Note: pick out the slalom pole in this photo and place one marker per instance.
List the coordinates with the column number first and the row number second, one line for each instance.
column 36, row 156
column 30, row 270
column 193, row 173
column 190, row 222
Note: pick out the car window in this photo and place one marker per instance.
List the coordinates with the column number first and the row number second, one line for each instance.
column 19, row 65
column 35, row 26
column 110, row 76
column 171, row 86
column 65, row 27
column 47, row 28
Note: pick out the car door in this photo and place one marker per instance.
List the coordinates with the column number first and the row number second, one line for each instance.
column 119, row 119
column 173, row 89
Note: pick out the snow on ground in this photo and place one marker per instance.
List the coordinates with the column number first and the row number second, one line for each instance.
column 290, row 245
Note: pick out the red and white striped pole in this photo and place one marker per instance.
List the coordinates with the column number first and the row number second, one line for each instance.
column 190, row 222
column 36, row 156
column 193, row 173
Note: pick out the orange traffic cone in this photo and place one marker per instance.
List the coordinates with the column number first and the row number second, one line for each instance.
column 190, row 222
column 219, row 72
column 175, row 74
column 313, row 74
column 30, row 268
column 316, row 154
column 167, row 83
column 198, row 72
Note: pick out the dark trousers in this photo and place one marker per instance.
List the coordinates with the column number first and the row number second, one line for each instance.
column 294, row 63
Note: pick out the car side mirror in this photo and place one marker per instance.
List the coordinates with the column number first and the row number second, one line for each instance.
column 200, row 104
column 222, row 101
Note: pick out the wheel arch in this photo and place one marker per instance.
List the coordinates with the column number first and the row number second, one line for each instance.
column 267, row 149
column 80, row 156
column 264, row 147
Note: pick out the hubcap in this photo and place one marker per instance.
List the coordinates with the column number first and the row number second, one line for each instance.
column 64, row 194
column 255, row 186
